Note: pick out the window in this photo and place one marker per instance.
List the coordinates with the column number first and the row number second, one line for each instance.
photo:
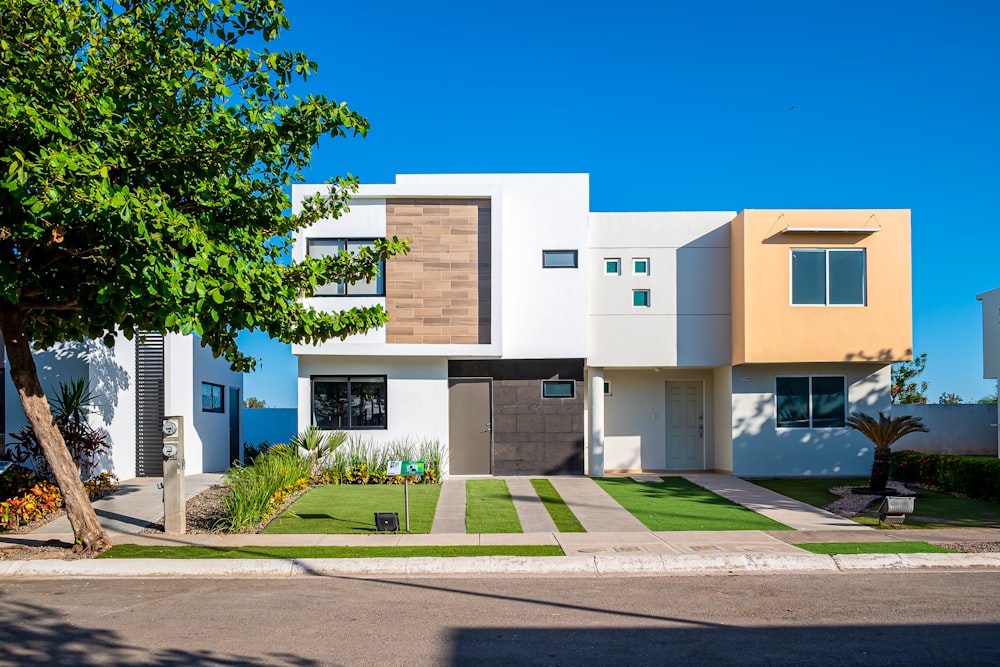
column 559, row 259
column 327, row 247
column 811, row 402
column 349, row 403
column 607, row 388
column 640, row 266
column 558, row 389
column 828, row 277
column 612, row 266
column 211, row 397
column 640, row 298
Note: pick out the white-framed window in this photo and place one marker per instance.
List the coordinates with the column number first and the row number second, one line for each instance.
column 349, row 402
column 640, row 298
column 558, row 388
column 828, row 277
column 612, row 266
column 326, row 247
column 607, row 388
column 640, row 266
column 212, row 397
column 811, row 401
column 560, row 259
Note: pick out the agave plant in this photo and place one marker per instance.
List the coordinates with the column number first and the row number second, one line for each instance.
column 883, row 433
column 317, row 445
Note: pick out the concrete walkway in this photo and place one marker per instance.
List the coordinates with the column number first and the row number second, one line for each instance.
column 450, row 514
column 595, row 509
column 530, row 510
column 135, row 505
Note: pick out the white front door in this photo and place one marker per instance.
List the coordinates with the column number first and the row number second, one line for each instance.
column 685, row 426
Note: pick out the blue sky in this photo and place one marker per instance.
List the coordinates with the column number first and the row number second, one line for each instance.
column 708, row 105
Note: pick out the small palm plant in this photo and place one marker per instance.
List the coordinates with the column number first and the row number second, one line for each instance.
column 317, row 445
column 883, row 433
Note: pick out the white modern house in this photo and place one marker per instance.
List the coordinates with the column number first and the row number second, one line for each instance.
column 991, row 340
column 534, row 336
column 137, row 383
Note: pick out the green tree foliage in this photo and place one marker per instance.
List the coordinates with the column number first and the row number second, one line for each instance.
column 905, row 388
column 254, row 402
column 882, row 433
column 992, row 398
column 948, row 398
column 147, row 146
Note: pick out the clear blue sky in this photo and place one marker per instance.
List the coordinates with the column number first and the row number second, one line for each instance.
column 708, row 105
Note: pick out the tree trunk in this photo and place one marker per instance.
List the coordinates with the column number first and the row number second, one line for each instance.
column 90, row 536
column 880, row 469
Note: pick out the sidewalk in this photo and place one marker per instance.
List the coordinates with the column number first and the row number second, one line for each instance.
column 616, row 542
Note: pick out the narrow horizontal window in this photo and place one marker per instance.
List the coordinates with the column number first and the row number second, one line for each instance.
column 558, row 389
column 640, row 298
column 640, row 266
column 560, row 259
column 612, row 266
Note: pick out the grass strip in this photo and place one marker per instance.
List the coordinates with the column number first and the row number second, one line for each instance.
column 562, row 515
column 677, row 504
column 489, row 507
column 837, row 548
column 146, row 551
column 932, row 509
column 350, row 509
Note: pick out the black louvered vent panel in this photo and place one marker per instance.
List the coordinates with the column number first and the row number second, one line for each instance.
column 149, row 405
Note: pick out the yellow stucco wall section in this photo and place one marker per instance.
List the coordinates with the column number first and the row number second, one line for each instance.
column 768, row 328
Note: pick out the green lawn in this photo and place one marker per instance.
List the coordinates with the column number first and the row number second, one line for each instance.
column 677, row 504
column 562, row 515
column 932, row 509
column 350, row 508
column 142, row 551
column 489, row 507
column 837, row 548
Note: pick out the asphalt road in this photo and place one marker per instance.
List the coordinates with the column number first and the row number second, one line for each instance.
column 908, row 618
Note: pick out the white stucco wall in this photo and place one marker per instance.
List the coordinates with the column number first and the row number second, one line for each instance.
column 212, row 428
column 761, row 449
column 688, row 320
column 635, row 430
column 991, row 333
column 954, row 429
column 416, row 393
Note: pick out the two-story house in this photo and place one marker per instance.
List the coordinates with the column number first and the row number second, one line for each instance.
column 536, row 337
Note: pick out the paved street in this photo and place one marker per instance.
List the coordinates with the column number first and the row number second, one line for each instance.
column 909, row 618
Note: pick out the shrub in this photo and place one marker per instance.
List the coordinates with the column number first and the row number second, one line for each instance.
column 973, row 476
column 365, row 461
column 36, row 503
column 102, row 485
column 251, row 450
column 255, row 491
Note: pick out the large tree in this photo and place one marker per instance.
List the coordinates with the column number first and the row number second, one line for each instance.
column 145, row 152
column 905, row 389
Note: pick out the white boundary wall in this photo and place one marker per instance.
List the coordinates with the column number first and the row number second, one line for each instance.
column 954, row 429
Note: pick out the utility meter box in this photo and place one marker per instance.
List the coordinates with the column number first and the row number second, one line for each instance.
column 174, row 515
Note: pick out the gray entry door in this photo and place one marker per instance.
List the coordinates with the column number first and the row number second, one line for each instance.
column 685, row 426
column 470, row 428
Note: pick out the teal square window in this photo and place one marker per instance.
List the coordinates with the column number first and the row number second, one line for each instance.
column 640, row 298
column 612, row 266
column 640, row 266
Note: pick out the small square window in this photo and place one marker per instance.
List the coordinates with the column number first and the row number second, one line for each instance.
column 560, row 259
column 211, row 397
column 612, row 266
column 558, row 389
column 640, row 266
column 640, row 298
column 607, row 388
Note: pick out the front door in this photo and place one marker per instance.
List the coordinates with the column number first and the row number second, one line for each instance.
column 470, row 417
column 685, row 426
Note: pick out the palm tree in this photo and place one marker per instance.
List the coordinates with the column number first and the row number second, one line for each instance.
column 883, row 433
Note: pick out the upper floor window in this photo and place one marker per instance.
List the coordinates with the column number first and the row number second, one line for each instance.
column 811, row 402
column 612, row 266
column 640, row 266
column 560, row 259
column 211, row 397
column 828, row 277
column 326, row 247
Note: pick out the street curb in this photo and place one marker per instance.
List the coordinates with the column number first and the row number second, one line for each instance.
column 596, row 566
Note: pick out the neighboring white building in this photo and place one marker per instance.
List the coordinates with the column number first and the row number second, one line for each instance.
column 991, row 340
column 137, row 383
column 533, row 336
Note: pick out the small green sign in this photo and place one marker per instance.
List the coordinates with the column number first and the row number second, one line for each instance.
column 413, row 468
